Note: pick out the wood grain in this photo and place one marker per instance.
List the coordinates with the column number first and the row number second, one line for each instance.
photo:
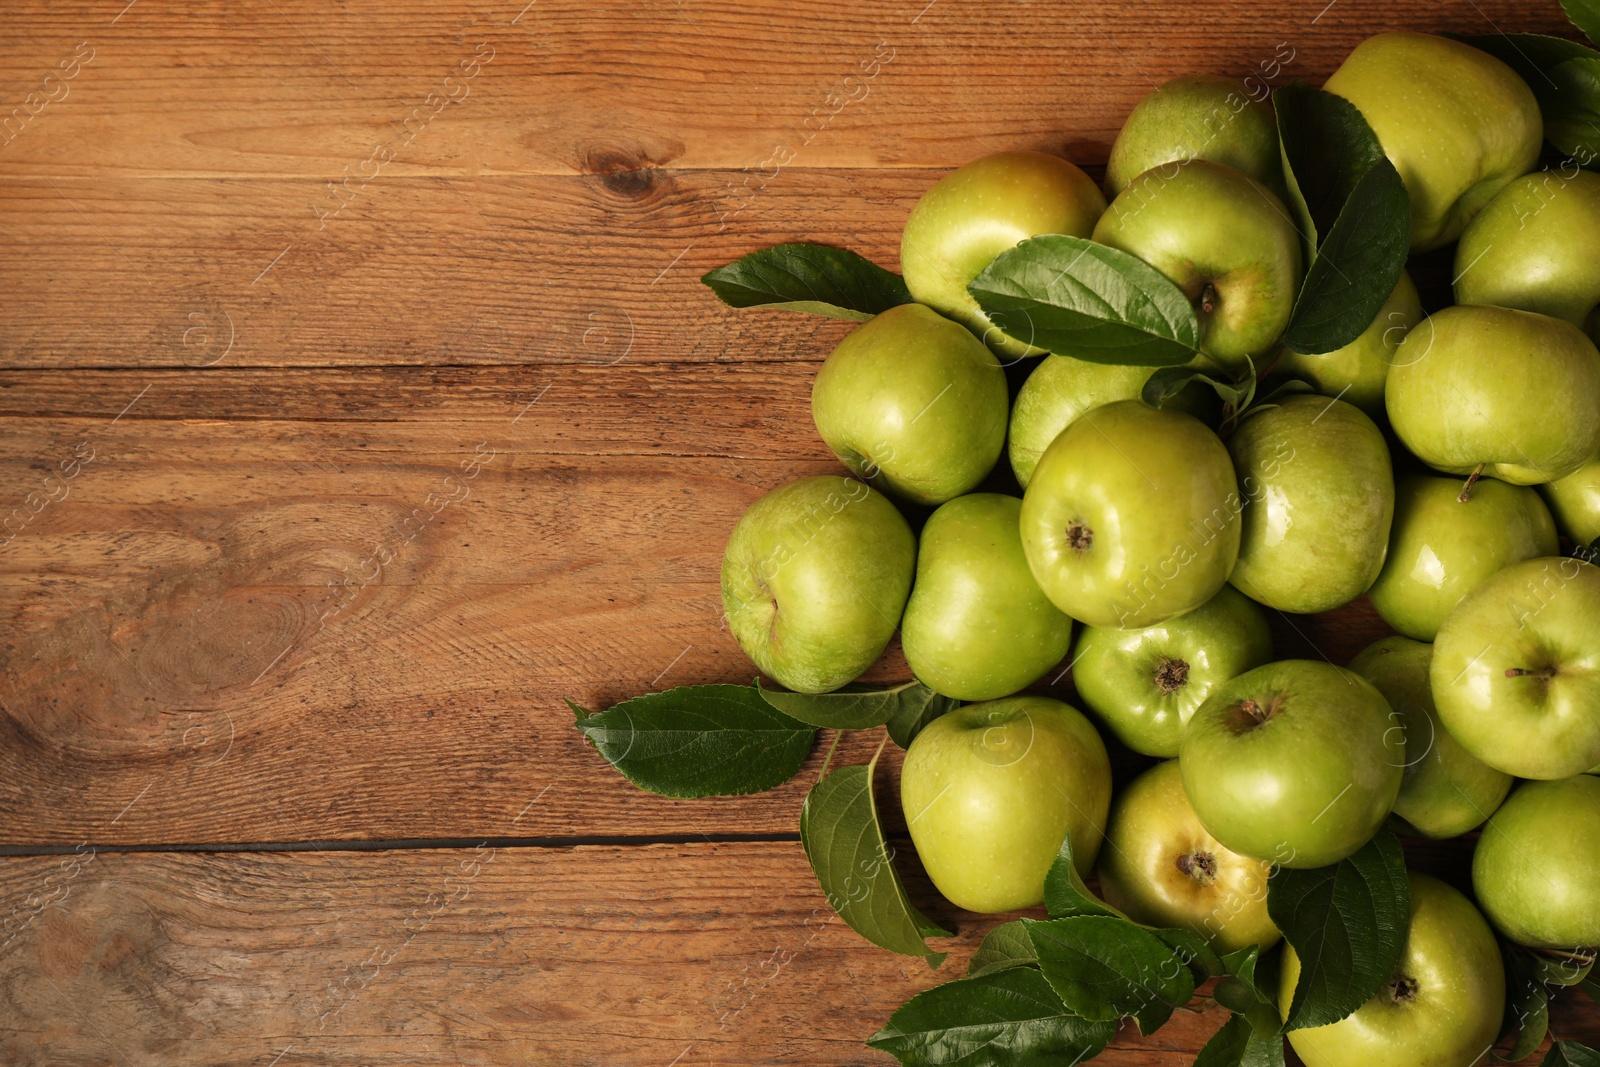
column 648, row 955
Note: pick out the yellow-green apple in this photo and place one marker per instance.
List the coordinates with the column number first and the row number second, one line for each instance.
column 1457, row 124
column 1536, row 868
column 1446, row 790
column 1442, row 547
column 1223, row 238
column 1532, row 247
column 1318, row 499
column 912, row 401
column 1132, row 516
column 814, row 579
column 1443, row 1006
column 1516, row 669
column 1294, row 763
column 1145, row 684
column 1357, row 372
column 976, row 212
column 977, row 625
column 1061, row 388
column 1160, row 867
column 1197, row 116
column 1511, row 392
column 991, row 790
column 1575, row 502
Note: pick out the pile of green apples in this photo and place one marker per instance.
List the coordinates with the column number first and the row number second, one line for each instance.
column 1149, row 543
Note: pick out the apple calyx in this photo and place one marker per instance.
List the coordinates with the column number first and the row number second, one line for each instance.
column 1250, row 714
column 1171, row 675
column 1080, row 537
column 1200, row 866
column 1402, row 989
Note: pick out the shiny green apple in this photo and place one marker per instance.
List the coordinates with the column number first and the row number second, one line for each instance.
column 1160, row 867
column 1575, row 502
column 976, row 212
column 1319, row 496
column 1357, row 372
column 1441, row 547
column 1536, row 869
column 1443, row 1006
column 814, row 579
column 1513, row 391
column 1294, row 763
column 1223, row 238
column 1457, row 123
column 1532, row 247
column 1145, row 684
column 1132, row 516
column 1516, row 669
column 1197, row 116
column 1061, row 388
column 1446, row 790
column 977, row 625
column 911, row 401
column 991, row 790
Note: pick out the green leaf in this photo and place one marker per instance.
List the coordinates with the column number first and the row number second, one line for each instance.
column 699, row 741
column 1327, row 148
column 1571, row 1054
column 1584, row 14
column 844, row 842
column 818, row 279
column 1193, row 952
column 1077, row 298
column 1103, row 968
column 1007, row 945
column 859, row 707
column 1247, row 993
column 1356, row 266
column 1591, row 986
column 1168, row 382
column 1527, row 1004
column 1347, row 924
column 1008, row 1018
column 917, row 707
column 1065, row 895
column 1565, row 78
column 1237, row 1045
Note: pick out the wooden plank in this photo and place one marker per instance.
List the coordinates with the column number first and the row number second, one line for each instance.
column 292, row 87
column 540, row 270
column 686, row 954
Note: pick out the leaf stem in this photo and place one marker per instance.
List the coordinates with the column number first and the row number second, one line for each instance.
column 829, row 757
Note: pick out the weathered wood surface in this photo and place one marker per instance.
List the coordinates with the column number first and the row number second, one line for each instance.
column 261, row 297
column 647, row 955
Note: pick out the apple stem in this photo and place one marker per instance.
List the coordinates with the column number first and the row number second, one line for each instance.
column 1273, row 362
column 1208, row 298
column 1472, row 480
column 1546, row 673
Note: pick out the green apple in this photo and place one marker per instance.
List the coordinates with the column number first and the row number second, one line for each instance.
column 1061, row 388
column 1536, row 869
column 911, row 400
column 1446, row 790
column 991, row 790
column 1516, row 669
column 1294, row 763
column 976, row 212
column 1510, row 391
column 1443, row 1006
column 1197, row 116
column 1532, row 247
column 1132, row 516
column 1442, row 547
column 977, row 625
column 1160, row 867
column 1457, row 124
column 814, row 579
column 1223, row 238
column 1357, row 372
column 1145, row 684
column 1318, row 498
column 1575, row 501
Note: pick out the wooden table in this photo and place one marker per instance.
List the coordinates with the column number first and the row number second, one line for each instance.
column 361, row 401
